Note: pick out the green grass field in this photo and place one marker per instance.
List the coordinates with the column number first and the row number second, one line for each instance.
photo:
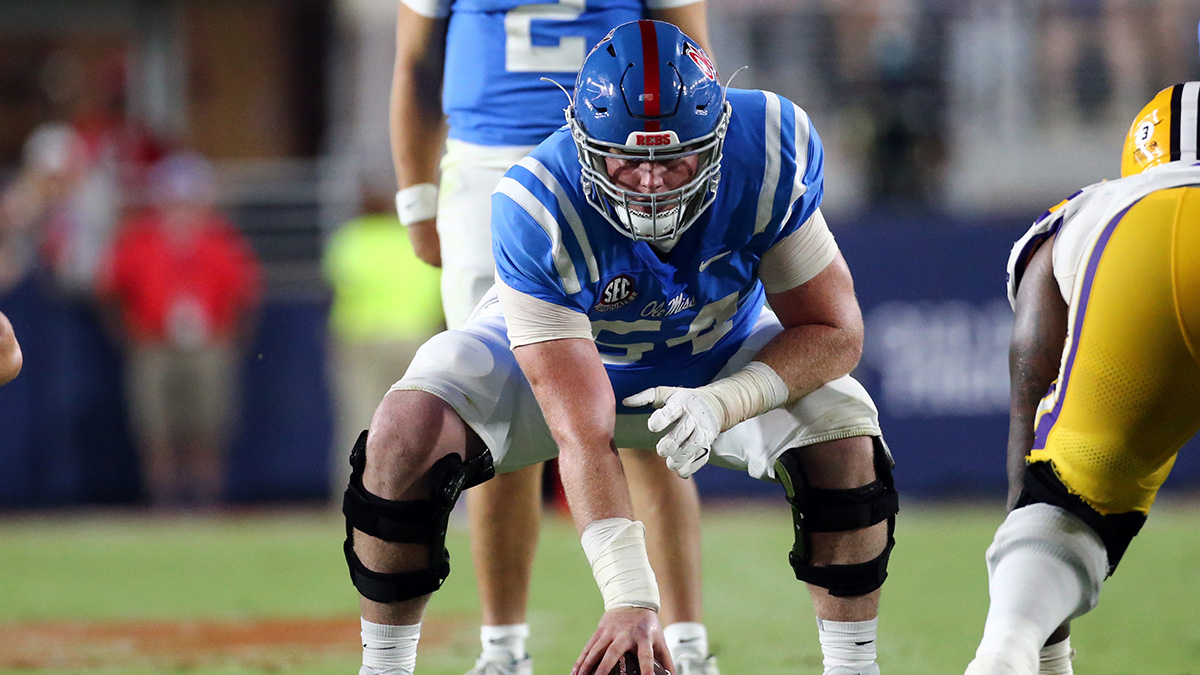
column 93, row 569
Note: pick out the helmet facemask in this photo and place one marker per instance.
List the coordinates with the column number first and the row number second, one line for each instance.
column 655, row 217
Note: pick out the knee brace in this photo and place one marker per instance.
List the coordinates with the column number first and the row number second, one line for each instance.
column 822, row 510
column 408, row 522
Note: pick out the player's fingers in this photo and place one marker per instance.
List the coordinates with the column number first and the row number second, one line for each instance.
column 591, row 654
column 594, row 649
column 666, row 447
column 684, row 458
column 662, row 653
column 663, row 417
column 693, row 465
column 645, row 654
column 642, row 398
column 670, row 445
column 606, row 664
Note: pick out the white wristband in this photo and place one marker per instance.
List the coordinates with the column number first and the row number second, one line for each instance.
column 749, row 392
column 616, row 548
column 417, row 203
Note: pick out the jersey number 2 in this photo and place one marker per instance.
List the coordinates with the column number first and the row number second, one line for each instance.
column 522, row 56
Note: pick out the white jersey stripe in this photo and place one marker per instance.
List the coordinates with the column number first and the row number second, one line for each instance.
column 766, row 194
column 1188, row 104
column 542, row 215
column 802, row 127
column 564, row 202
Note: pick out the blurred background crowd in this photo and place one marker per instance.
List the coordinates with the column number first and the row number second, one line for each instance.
column 199, row 254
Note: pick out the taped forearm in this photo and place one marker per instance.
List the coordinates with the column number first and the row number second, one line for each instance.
column 616, row 549
column 750, row 392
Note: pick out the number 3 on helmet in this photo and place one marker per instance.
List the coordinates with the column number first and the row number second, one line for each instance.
column 1166, row 130
column 648, row 92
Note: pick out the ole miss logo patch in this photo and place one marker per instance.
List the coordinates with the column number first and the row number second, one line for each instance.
column 617, row 293
column 701, row 59
column 654, row 138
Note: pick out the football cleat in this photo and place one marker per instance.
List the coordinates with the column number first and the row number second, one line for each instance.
column 1166, row 130
column 872, row 669
column 993, row 666
column 512, row 667
column 696, row 665
column 647, row 92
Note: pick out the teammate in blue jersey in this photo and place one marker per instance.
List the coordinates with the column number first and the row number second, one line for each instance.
column 635, row 250
column 489, row 58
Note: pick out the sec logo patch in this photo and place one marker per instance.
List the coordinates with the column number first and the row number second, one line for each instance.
column 617, row 293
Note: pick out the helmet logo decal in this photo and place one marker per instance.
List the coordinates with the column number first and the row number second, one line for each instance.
column 1144, row 131
column 650, row 86
column 652, row 139
column 617, row 293
column 701, row 59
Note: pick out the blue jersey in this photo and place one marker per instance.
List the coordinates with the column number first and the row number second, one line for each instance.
column 662, row 322
column 497, row 51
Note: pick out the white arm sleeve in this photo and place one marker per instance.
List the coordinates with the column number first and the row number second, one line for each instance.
column 431, row 9
column 532, row 320
column 798, row 257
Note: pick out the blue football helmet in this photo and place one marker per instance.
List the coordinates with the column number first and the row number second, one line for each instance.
column 648, row 92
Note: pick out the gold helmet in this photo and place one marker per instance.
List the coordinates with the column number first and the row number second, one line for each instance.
column 1164, row 131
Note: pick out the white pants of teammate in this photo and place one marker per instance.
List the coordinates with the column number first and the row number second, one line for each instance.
column 474, row 370
column 469, row 174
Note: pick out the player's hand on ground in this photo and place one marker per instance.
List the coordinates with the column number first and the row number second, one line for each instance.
column 621, row 630
column 692, row 420
column 425, row 241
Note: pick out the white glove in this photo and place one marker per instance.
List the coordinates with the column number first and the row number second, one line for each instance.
column 694, row 417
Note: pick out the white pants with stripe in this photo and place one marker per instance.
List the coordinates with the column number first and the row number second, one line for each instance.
column 474, row 370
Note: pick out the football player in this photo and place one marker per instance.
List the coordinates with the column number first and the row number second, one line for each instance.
column 635, row 250
column 10, row 351
column 1105, row 384
column 488, row 59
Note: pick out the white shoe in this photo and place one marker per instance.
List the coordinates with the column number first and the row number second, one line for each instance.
column 872, row 669
column 694, row 664
column 995, row 666
column 514, row 667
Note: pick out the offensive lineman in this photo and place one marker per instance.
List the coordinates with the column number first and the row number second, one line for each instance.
column 488, row 58
column 635, row 250
column 10, row 351
column 1105, row 383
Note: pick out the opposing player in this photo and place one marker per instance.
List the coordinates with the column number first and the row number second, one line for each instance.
column 489, row 58
column 1105, row 383
column 635, row 250
column 10, row 351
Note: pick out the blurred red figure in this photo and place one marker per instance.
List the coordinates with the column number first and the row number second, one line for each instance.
column 10, row 351
column 184, row 284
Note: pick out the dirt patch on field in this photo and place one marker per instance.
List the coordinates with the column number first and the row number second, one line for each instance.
column 268, row 644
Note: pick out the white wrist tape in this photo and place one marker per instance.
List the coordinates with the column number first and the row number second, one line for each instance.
column 417, row 203
column 616, row 548
column 749, row 392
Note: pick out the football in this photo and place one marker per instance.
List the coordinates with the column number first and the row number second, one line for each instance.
column 628, row 665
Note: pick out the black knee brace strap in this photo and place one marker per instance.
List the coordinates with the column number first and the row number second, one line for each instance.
column 822, row 510
column 409, row 522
